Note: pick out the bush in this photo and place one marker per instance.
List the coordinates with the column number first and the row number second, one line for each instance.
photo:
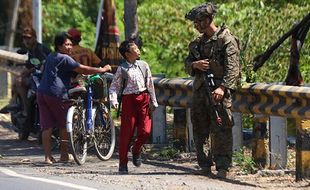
column 244, row 161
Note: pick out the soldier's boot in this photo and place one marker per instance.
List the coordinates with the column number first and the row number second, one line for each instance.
column 221, row 173
column 206, row 171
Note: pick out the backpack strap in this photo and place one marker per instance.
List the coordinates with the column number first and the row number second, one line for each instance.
column 124, row 69
column 142, row 68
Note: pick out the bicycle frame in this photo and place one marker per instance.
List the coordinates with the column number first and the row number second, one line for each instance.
column 89, row 123
column 90, row 110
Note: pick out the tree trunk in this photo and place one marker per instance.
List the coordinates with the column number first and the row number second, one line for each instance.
column 131, row 21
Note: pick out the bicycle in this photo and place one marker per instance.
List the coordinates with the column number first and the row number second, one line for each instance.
column 89, row 122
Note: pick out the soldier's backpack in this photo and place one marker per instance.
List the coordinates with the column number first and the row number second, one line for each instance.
column 220, row 45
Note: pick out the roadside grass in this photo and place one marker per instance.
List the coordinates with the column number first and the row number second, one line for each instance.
column 243, row 159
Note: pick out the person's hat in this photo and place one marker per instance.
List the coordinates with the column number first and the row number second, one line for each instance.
column 75, row 34
column 201, row 11
column 29, row 32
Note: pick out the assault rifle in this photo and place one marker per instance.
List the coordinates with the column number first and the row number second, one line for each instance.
column 215, row 106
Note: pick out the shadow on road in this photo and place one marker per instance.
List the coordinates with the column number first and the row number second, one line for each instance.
column 186, row 171
column 14, row 147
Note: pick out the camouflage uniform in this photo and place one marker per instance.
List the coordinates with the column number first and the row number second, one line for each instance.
column 222, row 50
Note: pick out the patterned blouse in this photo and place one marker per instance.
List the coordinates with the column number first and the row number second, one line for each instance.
column 135, row 83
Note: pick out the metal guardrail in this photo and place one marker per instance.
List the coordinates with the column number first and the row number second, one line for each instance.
column 175, row 92
column 12, row 56
column 258, row 98
column 268, row 99
column 6, row 56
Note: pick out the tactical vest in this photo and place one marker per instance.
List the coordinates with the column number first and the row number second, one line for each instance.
column 214, row 50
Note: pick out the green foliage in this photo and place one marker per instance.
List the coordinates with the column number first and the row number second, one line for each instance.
column 166, row 33
column 258, row 24
column 167, row 153
column 244, row 161
column 62, row 15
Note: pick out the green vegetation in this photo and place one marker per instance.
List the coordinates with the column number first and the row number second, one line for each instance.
column 244, row 161
column 257, row 23
column 166, row 33
column 167, row 153
column 62, row 15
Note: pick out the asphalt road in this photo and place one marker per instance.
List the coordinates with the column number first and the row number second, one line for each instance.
column 21, row 167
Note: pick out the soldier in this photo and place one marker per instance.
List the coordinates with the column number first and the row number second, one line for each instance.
column 216, row 51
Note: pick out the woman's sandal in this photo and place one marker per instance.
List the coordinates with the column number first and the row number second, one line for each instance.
column 69, row 160
column 50, row 161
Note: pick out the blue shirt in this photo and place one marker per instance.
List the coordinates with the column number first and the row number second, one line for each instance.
column 57, row 74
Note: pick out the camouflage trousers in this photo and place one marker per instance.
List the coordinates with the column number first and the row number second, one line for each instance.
column 213, row 143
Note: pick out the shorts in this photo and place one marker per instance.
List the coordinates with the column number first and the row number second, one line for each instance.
column 53, row 111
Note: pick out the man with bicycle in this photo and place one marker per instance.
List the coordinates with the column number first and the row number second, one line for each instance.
column 59, row 68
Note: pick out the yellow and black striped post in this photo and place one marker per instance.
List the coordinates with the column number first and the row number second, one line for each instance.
column 303, row 149
column 260, row 140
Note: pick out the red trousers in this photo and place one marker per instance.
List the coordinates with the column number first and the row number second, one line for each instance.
column 134, row 114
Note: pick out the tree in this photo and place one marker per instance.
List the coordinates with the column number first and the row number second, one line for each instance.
column 131, row 21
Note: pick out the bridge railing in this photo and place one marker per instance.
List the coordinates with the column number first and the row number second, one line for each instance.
column 270, row 100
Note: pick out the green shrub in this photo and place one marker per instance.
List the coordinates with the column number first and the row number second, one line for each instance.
column 244, row 161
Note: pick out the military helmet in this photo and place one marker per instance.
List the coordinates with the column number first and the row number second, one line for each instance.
column 201, row 11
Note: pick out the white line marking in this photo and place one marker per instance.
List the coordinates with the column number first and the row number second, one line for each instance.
column 14, row 174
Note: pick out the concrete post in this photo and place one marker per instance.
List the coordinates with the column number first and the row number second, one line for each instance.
column 278, row 143
column 159, row 134
column 237, row 131
column 189, row 126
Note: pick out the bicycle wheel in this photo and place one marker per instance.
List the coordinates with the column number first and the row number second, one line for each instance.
column 104, row 133
column 77, row 134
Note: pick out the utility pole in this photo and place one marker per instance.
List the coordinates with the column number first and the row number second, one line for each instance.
column 37, row 18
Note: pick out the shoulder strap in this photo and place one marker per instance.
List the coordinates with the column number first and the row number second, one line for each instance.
column 142, row 68
column 220, row 35
column 124, row 69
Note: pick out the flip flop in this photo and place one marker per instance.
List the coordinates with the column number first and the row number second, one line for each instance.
column 70, row 159
column 50, row 161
